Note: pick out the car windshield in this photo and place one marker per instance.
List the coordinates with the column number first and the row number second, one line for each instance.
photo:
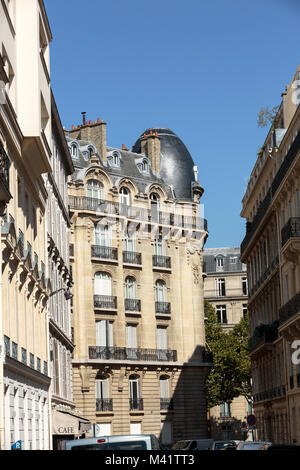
column 181, row 445
column 221, row 445
column 130, row 445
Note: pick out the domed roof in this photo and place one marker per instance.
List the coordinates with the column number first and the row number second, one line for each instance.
column 177, row 166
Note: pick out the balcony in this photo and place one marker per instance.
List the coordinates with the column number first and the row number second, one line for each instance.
column 290, row 230
column 163, row 262
column 104, row 404
column 136, row 404
column 290, row 309
column 105, row 302
column 132, row 305
column 131, row 257
column 132, row 354
column 5, row 195
column 166, row 404
column 163, row 307
column 82, row 203
column 263, row 336
column 104, row 252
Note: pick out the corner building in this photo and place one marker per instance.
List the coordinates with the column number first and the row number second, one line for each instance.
column 136, row 249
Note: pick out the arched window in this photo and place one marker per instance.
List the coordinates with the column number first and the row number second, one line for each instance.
column 74, row 151
column 130, row 288
column 160, row 291
column 90, row 151
column 103, row 284
column 145, row 166
column 154, row 206
column 95, row 190
column 116, row 159
column 124, row 196
column 103, row 235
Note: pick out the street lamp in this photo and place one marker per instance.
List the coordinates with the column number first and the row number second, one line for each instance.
column 67, row 293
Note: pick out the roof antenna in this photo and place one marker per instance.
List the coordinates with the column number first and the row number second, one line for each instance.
column 83, row 117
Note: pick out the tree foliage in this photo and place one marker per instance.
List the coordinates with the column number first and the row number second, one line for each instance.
column 231, row 373
column 266, row 116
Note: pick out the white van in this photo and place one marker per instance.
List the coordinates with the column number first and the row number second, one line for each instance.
column 194, row 444
column 132, row 442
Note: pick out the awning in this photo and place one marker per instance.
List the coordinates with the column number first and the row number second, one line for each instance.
column 66, row 424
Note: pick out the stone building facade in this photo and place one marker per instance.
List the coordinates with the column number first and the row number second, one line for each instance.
column 137, row 240
column 226, row 289
column 270, row 248
column 25, row 139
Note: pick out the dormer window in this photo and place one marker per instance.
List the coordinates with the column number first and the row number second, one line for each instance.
column 220, row 261
column 145, row 166
column 90, row 151
column 115, row 160
column 74, row 151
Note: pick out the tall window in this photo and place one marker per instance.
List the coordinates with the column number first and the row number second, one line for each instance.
column 162, row 343
column 164, row 383
column 130, row 288
column 104, row 333
column 221, row 291
column 103, row 284
column 159, row 246
column 124, row 196
column 221, row 314
column 220, row 261
column 103, row 235
column 245, row 310
column 95, row 190
column 154, row 206
column 160, row 291
column 245, row 286
column 102, row 387
column 130, row 242
column 225, row 410
column 134, row 391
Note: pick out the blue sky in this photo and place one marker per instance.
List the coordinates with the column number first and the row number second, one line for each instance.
column 203, row 69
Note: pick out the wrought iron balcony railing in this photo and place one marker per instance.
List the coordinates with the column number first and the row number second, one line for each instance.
column 104, row 404
column 105, row 302
column 104, row 252
column 290, row 309
column 136, row 404
column 166, row 404
column 163, row 307
column 190, row 222
column 132, row 354
column 132, row 257
column 132, row 305
column 161, row 261
column 290, row 230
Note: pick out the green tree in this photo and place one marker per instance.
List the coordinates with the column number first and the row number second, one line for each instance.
column 231, row 372
column 266, row 116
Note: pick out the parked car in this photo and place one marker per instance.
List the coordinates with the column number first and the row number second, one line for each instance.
column 252, row 445
column 280, row 447
column 193, row 444
column 134, row 442
column 221, row 445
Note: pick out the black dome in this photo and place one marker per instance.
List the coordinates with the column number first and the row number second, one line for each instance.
column 177, row 166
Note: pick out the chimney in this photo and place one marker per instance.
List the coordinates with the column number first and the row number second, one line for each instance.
column 92, row 132
column 150, row 146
